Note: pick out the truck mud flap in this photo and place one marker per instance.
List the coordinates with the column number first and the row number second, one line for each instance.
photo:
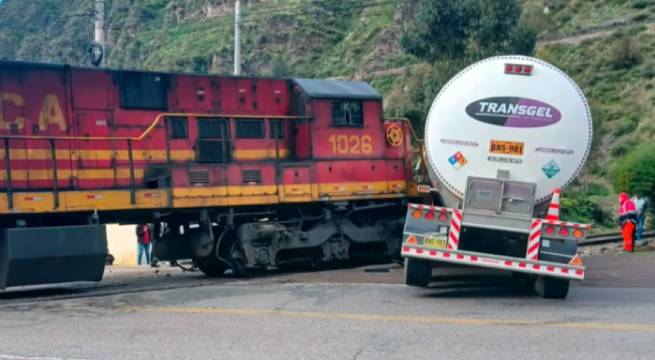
column 48, row 255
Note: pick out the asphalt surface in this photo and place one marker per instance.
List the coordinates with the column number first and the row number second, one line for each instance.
column 358, row 313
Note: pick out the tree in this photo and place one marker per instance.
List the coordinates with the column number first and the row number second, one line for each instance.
column 456, row 29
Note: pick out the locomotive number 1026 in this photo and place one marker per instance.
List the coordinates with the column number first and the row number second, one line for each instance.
column 351, row 144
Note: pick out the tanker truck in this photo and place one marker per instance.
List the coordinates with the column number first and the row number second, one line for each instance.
column 501, row 138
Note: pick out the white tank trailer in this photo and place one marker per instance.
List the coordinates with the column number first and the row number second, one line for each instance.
column 501, row 137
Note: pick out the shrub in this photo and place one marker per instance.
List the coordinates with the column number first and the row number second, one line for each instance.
column 623, row 54
column 627, row 125
column 635, row 173
column 622, row 147
column 579, row 208
column 641, row 4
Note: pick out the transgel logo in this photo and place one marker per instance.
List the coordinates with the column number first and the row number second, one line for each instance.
column 513, row 112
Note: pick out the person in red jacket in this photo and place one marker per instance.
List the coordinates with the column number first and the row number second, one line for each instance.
column 143, row 240
column 627, row 221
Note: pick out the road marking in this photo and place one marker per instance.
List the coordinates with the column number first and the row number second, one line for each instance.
column 398, row 318
column 19, row 357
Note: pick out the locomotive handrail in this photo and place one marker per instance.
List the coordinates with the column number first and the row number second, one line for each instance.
column 148, row 130
column 150, row 127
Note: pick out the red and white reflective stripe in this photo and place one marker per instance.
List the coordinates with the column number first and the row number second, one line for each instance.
column 534, row 240
column 567, row 224
column 455, row 228
column 33, row 198
column 151, row 195
column 93, row 196
column 457, row 257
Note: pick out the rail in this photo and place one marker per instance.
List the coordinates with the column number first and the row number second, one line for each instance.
column 128, row 139
column 609, row 238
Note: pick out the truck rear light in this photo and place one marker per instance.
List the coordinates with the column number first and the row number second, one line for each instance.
column 518, row 69
column 443, row 216
column 578, row 234
column 550, row 230
column 429, row 215
column 563, row 232
column 417, row 214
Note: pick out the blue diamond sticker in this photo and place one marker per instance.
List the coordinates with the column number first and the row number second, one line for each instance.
column 551, row 169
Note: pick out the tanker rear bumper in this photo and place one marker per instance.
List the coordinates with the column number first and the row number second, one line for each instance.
column 48, row 255
column 469, row 258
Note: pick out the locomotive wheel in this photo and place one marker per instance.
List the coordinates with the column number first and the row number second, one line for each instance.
column 417, row 272
column 211, row 266
column 551, row 288
column 214, row 265
column 237, row 260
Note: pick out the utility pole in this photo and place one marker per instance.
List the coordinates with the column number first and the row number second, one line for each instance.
column 98, row 49
column 237, row 38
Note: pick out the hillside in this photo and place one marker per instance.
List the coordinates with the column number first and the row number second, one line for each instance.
column 607, row 46
column 280, row 37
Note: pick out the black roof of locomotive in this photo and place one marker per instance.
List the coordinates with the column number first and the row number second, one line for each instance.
column 338, row 89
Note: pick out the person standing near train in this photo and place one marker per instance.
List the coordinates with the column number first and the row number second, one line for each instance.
column 143, row 242
column 627, row 221
column 641, row 204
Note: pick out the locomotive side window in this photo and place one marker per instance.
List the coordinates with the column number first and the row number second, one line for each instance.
column 213, row 128
column 213, row 144
column 277, row 129
column 179, row 127
column 249, row 129
column 143, row 91
column 347, row 113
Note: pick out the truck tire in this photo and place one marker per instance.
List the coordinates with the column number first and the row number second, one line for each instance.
column 551, row 288
column 417, row 272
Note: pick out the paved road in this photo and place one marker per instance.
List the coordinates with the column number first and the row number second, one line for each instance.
column 361, row 313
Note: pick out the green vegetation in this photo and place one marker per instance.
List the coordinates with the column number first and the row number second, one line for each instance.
column 636, row 172
column 470, row 29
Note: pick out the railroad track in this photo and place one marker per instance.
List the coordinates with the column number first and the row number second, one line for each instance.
column 609, row 238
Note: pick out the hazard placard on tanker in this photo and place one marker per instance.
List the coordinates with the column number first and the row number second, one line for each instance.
column 523, row 115
column 506, row 147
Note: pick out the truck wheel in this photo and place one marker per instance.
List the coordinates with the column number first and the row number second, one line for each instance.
column 524, row 281
column 551, row 288
column 417, row 272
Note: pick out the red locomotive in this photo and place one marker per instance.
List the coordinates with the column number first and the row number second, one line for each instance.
column 243, row 172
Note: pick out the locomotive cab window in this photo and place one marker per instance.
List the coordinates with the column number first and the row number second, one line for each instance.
column 347, row 113
column 213, row 128
column 179, row 127
column 249, row 129
column 277, row 129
